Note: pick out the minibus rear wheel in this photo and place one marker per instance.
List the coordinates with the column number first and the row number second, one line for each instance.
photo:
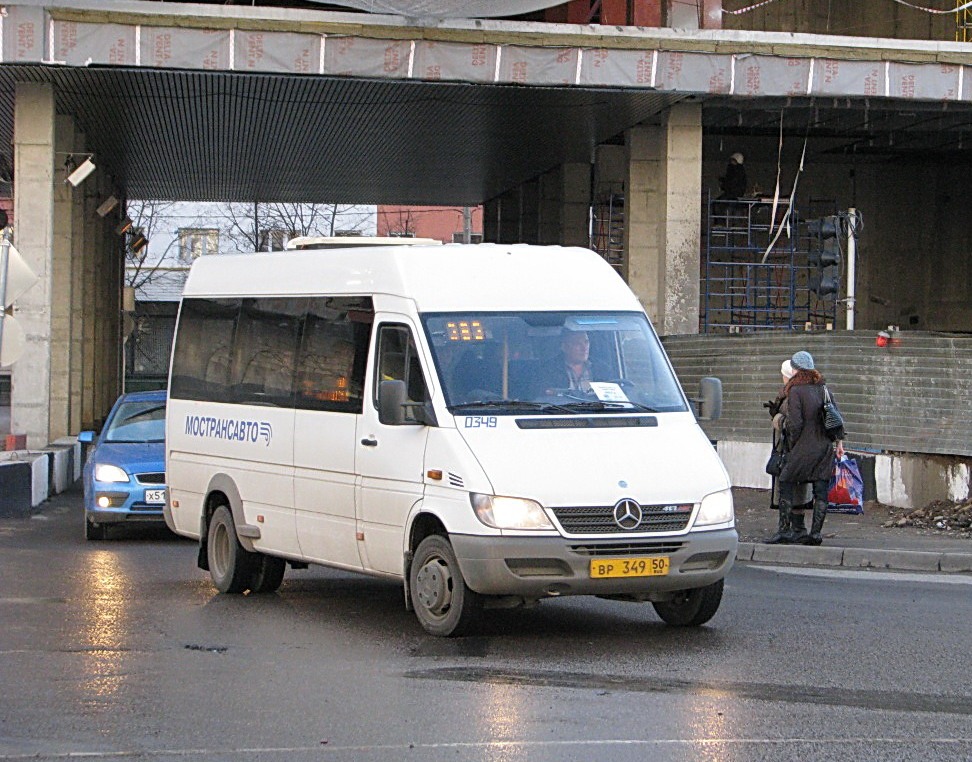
column 230, row 565
column 268, row 573
column 443, row 603
column 690, row 608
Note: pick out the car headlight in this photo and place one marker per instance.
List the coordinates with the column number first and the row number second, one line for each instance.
column 106, row 473
column 715, row 509
column 509, row 512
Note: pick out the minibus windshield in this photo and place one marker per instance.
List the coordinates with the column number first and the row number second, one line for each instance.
column 520, row 363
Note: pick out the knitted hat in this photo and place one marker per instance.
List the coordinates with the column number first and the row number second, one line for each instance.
column 787, row 370
column 737, row 157
column 802, row 360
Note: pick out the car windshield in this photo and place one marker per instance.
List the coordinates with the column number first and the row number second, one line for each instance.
column 137, row 422
column 551, row 363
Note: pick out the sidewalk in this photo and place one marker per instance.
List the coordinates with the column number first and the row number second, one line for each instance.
column 851, row 541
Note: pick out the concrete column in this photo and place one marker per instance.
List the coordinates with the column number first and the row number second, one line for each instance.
column 576, row 205
column 530, row 211
column 106, row 326
column 663, row 217
column 79, row 249
column 89, row 309
column 34, row 162
column 66, row 200
column 491, row 220
column 548, row 214
column 509, row 217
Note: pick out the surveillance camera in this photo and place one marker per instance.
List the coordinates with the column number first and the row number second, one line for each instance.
column 107, row 205
column 78, row 175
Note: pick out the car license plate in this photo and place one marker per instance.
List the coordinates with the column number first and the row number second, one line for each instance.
column 155, row 496
column 652, row 566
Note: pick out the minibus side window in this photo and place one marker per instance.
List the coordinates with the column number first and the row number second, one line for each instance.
column 204, row 341
column 262, row 372
column 333, row 354
column 398, row 360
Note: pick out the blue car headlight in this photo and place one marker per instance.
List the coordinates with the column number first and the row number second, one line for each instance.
column 107, row 473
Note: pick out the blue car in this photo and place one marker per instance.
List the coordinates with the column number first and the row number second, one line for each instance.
column 124, row 476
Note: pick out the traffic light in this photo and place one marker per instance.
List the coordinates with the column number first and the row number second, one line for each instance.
column 824, row 257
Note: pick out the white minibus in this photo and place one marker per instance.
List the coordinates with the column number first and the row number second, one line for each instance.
column 489, row 425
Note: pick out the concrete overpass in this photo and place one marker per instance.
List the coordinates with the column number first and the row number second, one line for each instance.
column 185, row 101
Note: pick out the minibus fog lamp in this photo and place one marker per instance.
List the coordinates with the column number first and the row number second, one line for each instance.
column 509, row 512
column 104, row 502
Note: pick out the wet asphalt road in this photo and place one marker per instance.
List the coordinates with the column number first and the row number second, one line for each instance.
column 121, row 650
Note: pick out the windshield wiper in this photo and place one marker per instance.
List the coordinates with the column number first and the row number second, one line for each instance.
column 580, row 405
column 524, row 405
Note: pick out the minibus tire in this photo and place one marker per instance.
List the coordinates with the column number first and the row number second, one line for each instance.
column 690, row 608
column 443, row 604
column 268, row 573
column 230, row 565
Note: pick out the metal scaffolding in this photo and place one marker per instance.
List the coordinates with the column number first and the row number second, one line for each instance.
column 755, row 276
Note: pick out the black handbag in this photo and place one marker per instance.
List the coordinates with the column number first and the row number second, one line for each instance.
column 774, row 466
column 832, row 419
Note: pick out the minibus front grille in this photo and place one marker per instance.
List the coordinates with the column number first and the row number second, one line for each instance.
column 600, row 519
column 154, row 478
column 606, row 549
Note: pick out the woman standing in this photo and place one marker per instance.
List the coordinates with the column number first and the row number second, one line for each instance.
column 810, row 452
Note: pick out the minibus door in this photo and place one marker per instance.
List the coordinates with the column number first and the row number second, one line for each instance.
column 390, row 457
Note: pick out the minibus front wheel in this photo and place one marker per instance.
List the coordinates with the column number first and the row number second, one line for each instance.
column 443, row 603
column 690, row 608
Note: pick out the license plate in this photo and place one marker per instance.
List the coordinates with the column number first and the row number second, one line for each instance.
column 155, row 496
column 653, row 566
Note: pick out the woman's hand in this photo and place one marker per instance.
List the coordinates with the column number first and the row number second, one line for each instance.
column 840, row 449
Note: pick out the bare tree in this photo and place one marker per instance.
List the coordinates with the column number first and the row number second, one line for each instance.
column 248, row 225
column 143, row 266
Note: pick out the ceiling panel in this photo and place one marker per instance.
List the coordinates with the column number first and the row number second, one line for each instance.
column 229, row 136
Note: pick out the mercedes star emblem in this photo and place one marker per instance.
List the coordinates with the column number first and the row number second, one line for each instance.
column 627, row 513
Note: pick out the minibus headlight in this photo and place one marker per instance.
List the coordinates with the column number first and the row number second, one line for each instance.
column 106, row 473
column 509, row 512
column 715, row 509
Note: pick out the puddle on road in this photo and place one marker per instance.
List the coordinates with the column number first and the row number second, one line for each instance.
column 891, row 701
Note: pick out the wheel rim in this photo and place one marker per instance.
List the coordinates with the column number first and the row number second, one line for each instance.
column 220, row 549
column 434, row 586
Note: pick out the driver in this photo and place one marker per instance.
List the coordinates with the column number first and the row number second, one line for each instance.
column 571, row 369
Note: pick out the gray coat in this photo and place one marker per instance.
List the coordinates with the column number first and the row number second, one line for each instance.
column 811, row 453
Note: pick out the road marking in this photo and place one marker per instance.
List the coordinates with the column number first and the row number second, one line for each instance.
column 496, row 745
column 868, row 574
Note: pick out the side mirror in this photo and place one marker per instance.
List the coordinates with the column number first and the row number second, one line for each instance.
column 710, row 398
column 86, row 437
column 391, row 403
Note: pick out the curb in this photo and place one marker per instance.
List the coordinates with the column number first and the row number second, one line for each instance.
column 855, row 558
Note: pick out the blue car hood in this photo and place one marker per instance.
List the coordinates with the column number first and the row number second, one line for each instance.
column 136, row 458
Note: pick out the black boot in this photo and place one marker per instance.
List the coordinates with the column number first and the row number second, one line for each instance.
column 819, row 514
column 798, row 535
column 783, row 534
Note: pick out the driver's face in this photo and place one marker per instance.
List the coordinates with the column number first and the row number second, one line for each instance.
column 577, row 346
